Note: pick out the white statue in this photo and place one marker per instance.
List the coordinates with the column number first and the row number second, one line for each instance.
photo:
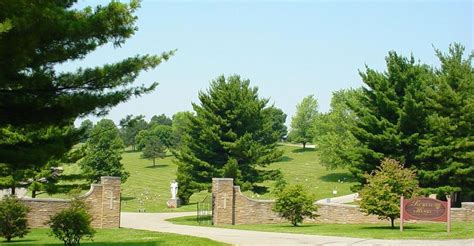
column 174, row 189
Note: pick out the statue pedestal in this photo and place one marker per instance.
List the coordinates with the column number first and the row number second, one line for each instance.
column 173, row 203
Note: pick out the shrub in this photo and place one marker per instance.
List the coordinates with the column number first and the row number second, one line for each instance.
column 294, row 203
column 72, row 224
column 381, row 195
column 13, row 222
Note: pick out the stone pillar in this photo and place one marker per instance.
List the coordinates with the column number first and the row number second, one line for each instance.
column 222, row 201
column 110, row 202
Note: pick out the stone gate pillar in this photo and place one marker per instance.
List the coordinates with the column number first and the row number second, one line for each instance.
column 223, row 201
column 110, row 202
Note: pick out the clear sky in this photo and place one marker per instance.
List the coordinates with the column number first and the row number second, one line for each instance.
column 288, row 49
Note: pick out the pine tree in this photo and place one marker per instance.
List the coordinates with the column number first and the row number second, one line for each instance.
column 35, row 37
column 229, row 127
column 446, row 150
column 390, row 114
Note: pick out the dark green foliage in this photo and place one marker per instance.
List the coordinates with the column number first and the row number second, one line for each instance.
column 153, row 148
column 161, row 119
column 381, row 195
column 13, row 222
column 446, row 149
column 391, row 114
column 278, row 119
column 72, row 224
column 103, row 153
column 421, row 116
column 333, row 136
column 163, row 132
column 229, row 124
column 38, row 103
column 294, row 204
column 86, row 128
column 130, row 127
column 302, row 123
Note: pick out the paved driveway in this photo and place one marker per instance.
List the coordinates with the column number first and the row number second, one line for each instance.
column 156, row 222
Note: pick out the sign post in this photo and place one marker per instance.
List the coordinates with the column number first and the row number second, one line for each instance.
column 401, row 213
column 448, row 197
column 424, row 208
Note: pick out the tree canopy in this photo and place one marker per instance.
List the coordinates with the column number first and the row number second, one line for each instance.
column 385, row 185
column 302, row 129
column 421, row 116
column 103, row 153
column 229, row 133
column 38, row 103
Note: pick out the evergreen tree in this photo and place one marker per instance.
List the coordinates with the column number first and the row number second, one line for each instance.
column 390, row 114
column 446, row 149
column 35, row 37
column 103, row 153
column 302, row 130
column 229, row 127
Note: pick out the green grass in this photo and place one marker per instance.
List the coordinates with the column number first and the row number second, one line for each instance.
column 151, row 184
column 303, row 167
column 377, row 231
column 115, row 237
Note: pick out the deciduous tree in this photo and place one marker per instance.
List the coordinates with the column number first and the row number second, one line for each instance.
column 103, row 153
column 302, row 130
column 381, row 195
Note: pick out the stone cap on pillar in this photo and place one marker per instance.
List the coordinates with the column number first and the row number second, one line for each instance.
column 223, row 179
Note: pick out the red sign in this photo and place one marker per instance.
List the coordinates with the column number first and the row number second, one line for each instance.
column 425, row 209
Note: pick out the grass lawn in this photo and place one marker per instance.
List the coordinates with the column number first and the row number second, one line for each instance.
column 115, row 237
column 377, row 231
column 150, row 184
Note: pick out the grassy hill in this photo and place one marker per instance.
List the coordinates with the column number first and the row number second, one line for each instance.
column 150, row 184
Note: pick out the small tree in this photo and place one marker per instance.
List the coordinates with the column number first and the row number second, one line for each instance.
column 72, row 224
column 13, row 222
column 153, row 149
column 381, row 195
column 294, row 203
column 103, row 153
column 302, row 130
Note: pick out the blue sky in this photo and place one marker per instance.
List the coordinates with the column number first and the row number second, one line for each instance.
column 287, row 49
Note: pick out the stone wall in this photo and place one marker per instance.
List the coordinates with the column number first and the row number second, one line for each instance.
column 231, row 207
column 102, row 200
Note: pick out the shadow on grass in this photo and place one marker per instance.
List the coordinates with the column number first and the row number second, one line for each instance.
column 127, row 198
column 301, row 150
column 157, row 166
column 335, row 177
column 285, row 159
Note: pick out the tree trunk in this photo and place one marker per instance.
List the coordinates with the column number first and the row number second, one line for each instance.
column 33, row 194
column 304, row 145
column 13, row 190
column 392, row 220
